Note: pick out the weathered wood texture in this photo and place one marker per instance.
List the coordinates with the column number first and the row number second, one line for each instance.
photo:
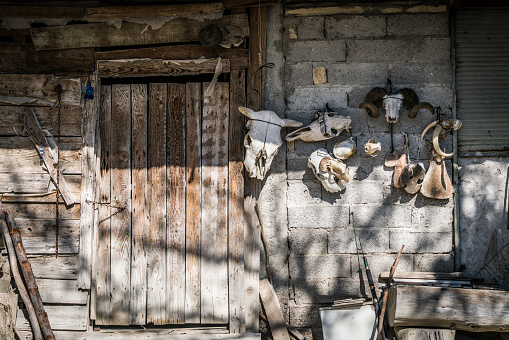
column 425, row 333
column 214, row 269
column 193, row 200
column 43, row 211
column 472, row 310
column 234, row 4
column 61, row 292
column 176, row 204
column 140, row 212
column 152, row 335
column 239, row 58
column 104, row 35
column 32, row 183
column 158, row 67
column 38, row 89
column 8, row 312
column 109, row 13
column 19, row 57
column 42, row 12
column 70, row 120
column 51, row 267
column 273, row 311
column 63, row 318
column 257, row 48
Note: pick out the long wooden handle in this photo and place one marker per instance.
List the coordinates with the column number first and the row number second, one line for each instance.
column 384, row 302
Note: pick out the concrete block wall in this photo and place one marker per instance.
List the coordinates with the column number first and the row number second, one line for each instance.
column 358, row 52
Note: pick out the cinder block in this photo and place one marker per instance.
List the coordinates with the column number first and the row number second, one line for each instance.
column 370, row 169
column 354, row 26
column 305, row 316
column 316, row 50
column 357, row 73
column 304, row 193
column 307, row 268
column 304, row 149
column 379, row 50
column 432, row 49
column 298, row 169
column 418, row 24
column 303, row 116
column 312, row 28
column 357, row 192
column 398, row 216
column 323, row 217
column 417, row 242
column 434, row 263
column 370, row 216
column 421, row 73
column 300, row 74
column 305, row 241
column 344, row 241
column 436, row 219
column 320, row 291
column 316, row 97
column 382, row 263
column 359, row 119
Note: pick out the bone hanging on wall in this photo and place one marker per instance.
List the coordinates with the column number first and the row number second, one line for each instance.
column 393, row 102
column 263, row 140
column 327, row 124
column 329, row 171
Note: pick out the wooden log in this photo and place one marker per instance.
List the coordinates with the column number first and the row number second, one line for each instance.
column 147, row 68
column 38, row 89
column 21, row 57
column 425, row 333
column 176, row 204
column 110, row 13
column 36, row 134
column 214, row 269
column 140, row 213
column 239, row 58
column 17, row 278
column 193, row 200
column 273, row 311
column 70, row 120
column 37, row 12
column 473, row 310
column 28, row 275
column 105, row 35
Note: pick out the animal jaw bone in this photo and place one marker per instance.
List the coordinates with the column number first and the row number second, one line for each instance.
column 327, row 124
column 329, row 171
column 442, row 127
column 263, row 140
column 392, row 103
column 436, row 183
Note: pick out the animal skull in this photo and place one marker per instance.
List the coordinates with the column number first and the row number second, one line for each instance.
column 442, row 127
column 372, row 147
column 327, row 124
column 392, row 103
column 330, row 171
column 263, row 140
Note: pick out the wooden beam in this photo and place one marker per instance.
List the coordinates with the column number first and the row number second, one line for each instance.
column 257, row 47
column 37, row 136
column 324, row 10
column 110, row 13
column 473, row 310
column 234, row 4
column 239, row 58
column 425, row 333
column 39, row 89
column 425, row 275
column 147, row 68
column 19, row 57
column 36, row 12
column 273, row 311
column 152, row 335
column 105, row 35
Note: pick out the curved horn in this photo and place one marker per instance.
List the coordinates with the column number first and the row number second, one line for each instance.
column 436, row 146
column 246, row 111
column 373, row 98
column 422, row 105
column 427, row 128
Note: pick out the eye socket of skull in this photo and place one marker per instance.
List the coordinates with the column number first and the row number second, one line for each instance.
column 247, row 141
column 334, row 132
column 332, row 114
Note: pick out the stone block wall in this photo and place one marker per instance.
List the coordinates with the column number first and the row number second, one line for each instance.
column 336, row 59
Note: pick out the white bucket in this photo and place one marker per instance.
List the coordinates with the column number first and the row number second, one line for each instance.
column 348, row 323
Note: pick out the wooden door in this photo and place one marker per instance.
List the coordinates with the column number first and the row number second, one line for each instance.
column 170, row 239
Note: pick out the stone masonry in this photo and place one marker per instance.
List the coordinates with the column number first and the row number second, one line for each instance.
column 336, row 59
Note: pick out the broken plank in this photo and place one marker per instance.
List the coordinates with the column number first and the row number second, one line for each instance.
column 29, row 183
column 193, row 200
column 273, row 311
column 62, row 292
column 239, row 58
column 18, row 155
column 214, row 267
column 472, row 310
column 110, row 13
column 104, row 35
column 18, row 57
column 70, row 120
column 176, row 204
column 39, row 89
column 37, row 12
column 60, row 317
column 147, row 68
column 426, row 276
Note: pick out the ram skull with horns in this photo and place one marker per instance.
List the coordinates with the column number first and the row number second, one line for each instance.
column 442, row 127
column 392, row 103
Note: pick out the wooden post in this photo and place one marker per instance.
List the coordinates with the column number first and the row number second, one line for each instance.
column 425, row 333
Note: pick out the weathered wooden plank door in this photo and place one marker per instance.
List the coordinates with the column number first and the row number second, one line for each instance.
column 164, row 254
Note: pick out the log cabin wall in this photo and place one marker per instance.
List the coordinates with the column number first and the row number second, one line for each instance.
column 45, row 66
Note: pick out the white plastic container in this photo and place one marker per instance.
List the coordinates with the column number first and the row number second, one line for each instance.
column 348, row 323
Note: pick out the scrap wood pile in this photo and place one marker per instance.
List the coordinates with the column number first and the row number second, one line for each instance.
column 30, row 294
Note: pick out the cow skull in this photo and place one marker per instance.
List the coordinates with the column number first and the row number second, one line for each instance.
column 330, row 171
column 392, row 103
column 263, row 140
column 327, row 124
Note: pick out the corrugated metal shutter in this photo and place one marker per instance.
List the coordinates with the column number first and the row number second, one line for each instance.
column 482, row 81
